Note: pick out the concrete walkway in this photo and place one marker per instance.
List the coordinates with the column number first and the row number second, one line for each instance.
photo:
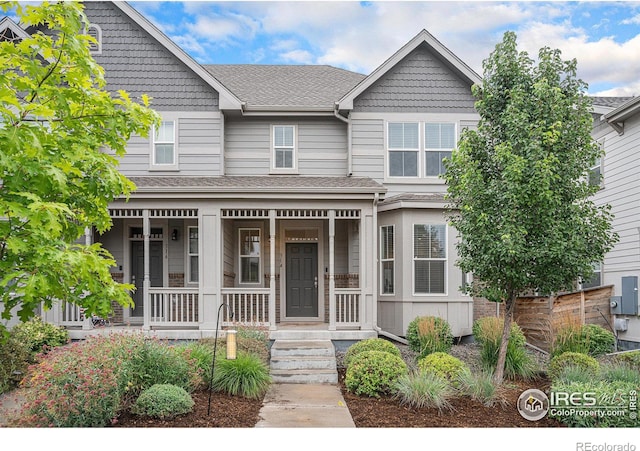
column 304, row 406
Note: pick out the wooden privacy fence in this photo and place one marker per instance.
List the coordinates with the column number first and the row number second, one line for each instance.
column 541, row 317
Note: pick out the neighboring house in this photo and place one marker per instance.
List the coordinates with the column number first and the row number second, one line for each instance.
column 617, row 129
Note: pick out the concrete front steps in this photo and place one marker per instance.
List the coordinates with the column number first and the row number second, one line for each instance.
column 303, row 362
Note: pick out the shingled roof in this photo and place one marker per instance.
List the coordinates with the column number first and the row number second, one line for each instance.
column 265, row 87
column 611, row 102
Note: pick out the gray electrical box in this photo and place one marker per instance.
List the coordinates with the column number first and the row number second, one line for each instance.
column 627, row 304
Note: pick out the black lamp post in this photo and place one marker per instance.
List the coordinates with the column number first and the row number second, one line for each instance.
column 215, row 348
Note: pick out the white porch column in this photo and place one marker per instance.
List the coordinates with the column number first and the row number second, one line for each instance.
column 272, row 270
column 146, row 281
column 332, row 281
column 86, row 322
column 211, row 256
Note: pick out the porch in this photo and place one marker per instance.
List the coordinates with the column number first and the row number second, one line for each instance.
column 217, row 255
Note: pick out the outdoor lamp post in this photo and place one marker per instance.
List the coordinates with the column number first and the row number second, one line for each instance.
column 215, row 348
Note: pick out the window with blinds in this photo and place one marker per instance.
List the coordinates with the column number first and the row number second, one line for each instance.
column 440, row 139
column 429, row 258
column 387, row 260
column 404, row 144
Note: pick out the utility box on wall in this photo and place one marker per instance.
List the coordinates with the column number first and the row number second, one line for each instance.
column 627, row 304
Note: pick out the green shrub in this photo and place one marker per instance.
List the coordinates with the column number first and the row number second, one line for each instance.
column 249, row 342
column 202, row 355
column 607, row 394
column 40, row 336
column 155, row 362
column 370, row 344
column 373, row 373
column 444, row 365
column 587, row 363
column 163, row 401
column 586, row 339
column 573, row 373
column 424, row 389
column 620, row 372
column 429, row 334
column 14, row 361
column 480, row 387
column 488, row 333
column 631, row 358
column 246, row 376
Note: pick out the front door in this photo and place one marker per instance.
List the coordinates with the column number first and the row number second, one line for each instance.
column 137, row 271
column 302, row 280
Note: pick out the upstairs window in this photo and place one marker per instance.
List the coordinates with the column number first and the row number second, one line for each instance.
column 595, row 171
column 284, row 149
column 403, row 143
column 440, row 139
column 164, row 143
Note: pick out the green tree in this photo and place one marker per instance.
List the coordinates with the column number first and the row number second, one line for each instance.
column 517, row 186
column 56, row 120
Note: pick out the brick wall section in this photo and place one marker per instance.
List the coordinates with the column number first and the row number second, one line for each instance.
column 176, row 280
column 117, row 316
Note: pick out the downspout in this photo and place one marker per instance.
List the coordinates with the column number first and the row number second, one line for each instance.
column 377, row 328
column 346, row 120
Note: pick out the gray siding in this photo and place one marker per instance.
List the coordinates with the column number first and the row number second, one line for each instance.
column 198, row 147
column 322, row 146
column 420, row 82
column 134, row 61
column 367, row 144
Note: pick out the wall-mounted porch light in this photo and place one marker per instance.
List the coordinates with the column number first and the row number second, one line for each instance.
column 174, row 235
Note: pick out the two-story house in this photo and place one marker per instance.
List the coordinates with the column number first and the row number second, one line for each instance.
column 306, row 198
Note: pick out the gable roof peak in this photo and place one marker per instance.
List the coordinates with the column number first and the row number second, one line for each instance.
column 423, row 37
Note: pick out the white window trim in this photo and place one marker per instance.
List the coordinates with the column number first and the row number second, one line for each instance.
column 98, row 38
column 599, row 164
column 383, row 260
column 152, row 156
column 240, row 256
column 190, row 254
column 294, row 149
column 389, row 149
column 441, row 149
column 445, row 259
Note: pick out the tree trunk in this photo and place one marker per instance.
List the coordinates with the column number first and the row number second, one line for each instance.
column 509, row 307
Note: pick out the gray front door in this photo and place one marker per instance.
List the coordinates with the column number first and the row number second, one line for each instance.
column 302, row 280
column 137, row 271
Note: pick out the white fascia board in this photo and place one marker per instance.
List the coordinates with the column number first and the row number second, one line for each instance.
column 227, row 100
column 346, row 103
column 624, row 111
column 7, row 22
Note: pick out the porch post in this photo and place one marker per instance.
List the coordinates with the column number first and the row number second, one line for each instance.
column 86, row 322
column 146, row 281
column 272, row 270
column 332, row 282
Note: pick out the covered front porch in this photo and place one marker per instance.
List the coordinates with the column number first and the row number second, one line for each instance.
column 296, row 269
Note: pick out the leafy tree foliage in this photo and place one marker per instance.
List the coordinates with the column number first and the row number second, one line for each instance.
column 56, row 120
column 517, row 186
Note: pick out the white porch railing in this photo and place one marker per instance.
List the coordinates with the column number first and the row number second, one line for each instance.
column 249, row 306
column 347, row 307
column 174, row 306
column 71, row 314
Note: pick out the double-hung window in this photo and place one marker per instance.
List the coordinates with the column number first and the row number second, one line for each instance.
column 404, row 145
column 284, row 148
column 387, row 259
column 439, row 139
column 249, row 255
column 164, row 145
column 429, row 258
column 595, row 171
column 192, row 253
column 596, row 278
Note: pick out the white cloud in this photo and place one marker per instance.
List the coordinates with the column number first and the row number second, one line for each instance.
column 297, row 57
column 635, row 20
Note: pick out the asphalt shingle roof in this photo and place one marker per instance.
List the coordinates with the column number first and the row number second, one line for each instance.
column 612, row 102
column 281, row 86
column 259, row 183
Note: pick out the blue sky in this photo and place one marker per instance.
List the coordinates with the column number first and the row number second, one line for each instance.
column 604, row 37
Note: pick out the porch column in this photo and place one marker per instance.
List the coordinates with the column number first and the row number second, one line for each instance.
column 332, row 281
column 146, row 281
column 86, row 322
column 272, row 270
column 210, row 247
